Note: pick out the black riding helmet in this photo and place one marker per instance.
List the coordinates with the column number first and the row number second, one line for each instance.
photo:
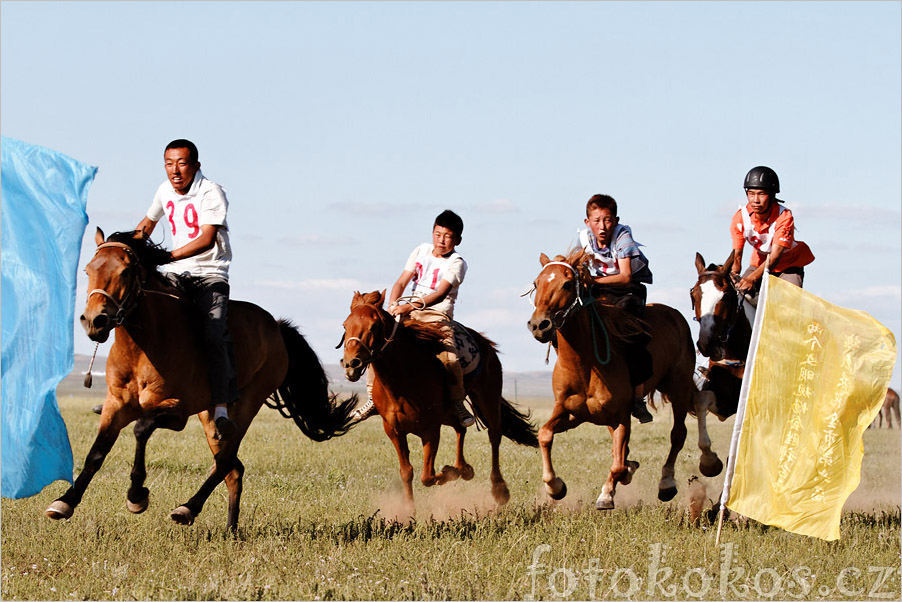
column 763, row 178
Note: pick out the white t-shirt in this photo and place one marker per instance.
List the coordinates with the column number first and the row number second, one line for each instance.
column 204, row 204
column 428, row 270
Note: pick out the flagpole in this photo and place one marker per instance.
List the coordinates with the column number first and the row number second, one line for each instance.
column 743, row 397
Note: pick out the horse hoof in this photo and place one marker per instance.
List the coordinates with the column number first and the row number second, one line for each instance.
column 467, row 472
column 449, row 473
column 711, row 469
column 137, row 507
column 631, row 467
column 665, row 495
column 604, row 504
column 502, row 494
column 182, row 515
column 59, row 509
column 560, row 493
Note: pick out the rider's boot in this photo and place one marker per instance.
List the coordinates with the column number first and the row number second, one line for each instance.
column 639, row 409
column 367, row 409
column 457, row 393
column 225, row 428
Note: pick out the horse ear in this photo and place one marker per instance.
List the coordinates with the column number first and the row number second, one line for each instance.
column 355, row 300
column 728, row 264
column 381, row 298
column 543, row 259
column 98, row 236
column 699, row 262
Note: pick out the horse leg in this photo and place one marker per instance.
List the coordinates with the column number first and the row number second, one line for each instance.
column 667, row 487
column 111, row 424
column 235, row 483
column 561, row 420
column 460, row 463
column 491, row 414
column 225, row 460
column 138, row 495
column 499, row 488
column 399, row 440
column 620, row 472
column 430, row 450
column 709, row 464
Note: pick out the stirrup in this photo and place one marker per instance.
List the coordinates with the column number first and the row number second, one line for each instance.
column 364, row 411
column 640, row 411
column 464, row 417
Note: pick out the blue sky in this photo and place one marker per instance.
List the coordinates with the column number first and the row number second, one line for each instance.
column 340, row 130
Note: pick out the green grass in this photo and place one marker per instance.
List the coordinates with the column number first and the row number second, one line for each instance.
column 317, row 523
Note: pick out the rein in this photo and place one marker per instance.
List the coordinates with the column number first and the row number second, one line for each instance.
column 586, row 301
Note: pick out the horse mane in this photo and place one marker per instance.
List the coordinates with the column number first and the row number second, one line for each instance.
column 149, row 253
column 427, row 335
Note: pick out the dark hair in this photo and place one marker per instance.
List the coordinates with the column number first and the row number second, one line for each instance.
column 182, row 143
column 449, row 219
column 602, row 201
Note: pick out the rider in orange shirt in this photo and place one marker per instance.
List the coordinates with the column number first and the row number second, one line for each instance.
column 768, row 226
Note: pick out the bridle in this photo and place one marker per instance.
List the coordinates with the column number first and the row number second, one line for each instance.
column 130, row 300
column 740, row 299
column 560, row 316
column 397, row 321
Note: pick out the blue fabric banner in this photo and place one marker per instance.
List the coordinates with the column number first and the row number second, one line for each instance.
column 42, row 221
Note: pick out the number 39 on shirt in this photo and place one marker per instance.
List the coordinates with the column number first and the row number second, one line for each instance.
column 188, row 218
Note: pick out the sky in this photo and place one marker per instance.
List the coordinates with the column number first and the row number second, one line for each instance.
column 340, row 130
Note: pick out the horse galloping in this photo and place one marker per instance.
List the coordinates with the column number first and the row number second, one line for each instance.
column 410, row 394
column 725, row 317
column 157, row 377
column 590, row 378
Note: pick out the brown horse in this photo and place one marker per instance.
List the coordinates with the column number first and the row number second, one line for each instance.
column 591, row 381
column 156, row 375
column 888, row 411
column 725, row 319
column 411, row 396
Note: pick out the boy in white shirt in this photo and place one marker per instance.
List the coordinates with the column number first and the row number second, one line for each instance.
column 437, row 271
column 195, row 209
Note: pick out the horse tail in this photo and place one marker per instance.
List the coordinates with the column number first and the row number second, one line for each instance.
column 304, row 394
column 517, row 426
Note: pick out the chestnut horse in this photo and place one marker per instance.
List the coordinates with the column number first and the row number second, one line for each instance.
column 157, row 377
column 591, row 381
column 725, row 319
column 411, row 396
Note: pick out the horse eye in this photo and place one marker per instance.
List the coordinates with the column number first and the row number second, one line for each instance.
column 568, row 285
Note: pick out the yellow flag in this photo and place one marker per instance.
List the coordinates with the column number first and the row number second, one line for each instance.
column 817, row 376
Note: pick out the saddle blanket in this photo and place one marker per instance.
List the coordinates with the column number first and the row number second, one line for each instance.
column 467, row 349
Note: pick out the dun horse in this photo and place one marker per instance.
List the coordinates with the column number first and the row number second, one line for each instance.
column 411, row 396
column 725, row 321
column 157, row 377
column 590, row 378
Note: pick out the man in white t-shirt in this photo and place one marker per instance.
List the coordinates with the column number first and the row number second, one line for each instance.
column 195, row 210
column 437, row 271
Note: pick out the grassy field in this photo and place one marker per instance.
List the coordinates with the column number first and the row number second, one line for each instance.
column 317, row 524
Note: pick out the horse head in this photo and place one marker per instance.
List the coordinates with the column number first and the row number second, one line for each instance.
column 116, row 275
column 716, row 305
column 557, row 292
column 112, row 287
column 365, row 333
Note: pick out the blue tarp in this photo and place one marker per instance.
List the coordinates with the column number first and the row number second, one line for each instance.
column 42, row 221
